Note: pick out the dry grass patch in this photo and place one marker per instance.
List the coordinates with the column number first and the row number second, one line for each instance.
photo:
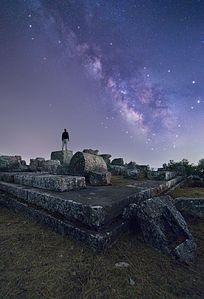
column 38, row 263
column 188, row 192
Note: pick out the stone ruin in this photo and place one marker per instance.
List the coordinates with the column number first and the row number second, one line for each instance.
column 74, row 195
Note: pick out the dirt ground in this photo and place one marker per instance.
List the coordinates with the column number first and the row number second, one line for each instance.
column 38, row 263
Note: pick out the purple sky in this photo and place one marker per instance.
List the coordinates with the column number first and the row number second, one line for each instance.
column 124, row 77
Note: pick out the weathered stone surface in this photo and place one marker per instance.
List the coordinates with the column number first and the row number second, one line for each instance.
column 7, row 176
column 63, row 156
column 51, row 182
column 100, row 178
column 63, row 170
column 131, row 165
column 161, row 175
column 192, row 206
column 163, row 227
column 84, row 163
column 51, row 166
column 90, row 215
column 90, row 151
column 117, row 170
column 118, row 162
column 131, row 174
column 12, row 163
column 95, row 207
column 18, row 191
column 36, row 164
column 106, row 158
column 144, row 169
column 97, row 241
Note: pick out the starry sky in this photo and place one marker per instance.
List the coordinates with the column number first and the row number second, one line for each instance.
column 123, row 76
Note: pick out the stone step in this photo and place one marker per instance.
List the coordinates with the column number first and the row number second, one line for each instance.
column 51, row 182
column 97, row 241
column 94, row 207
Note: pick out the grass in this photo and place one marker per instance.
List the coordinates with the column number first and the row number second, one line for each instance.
column 188, row 192
column 38, row 263
column 119, row 180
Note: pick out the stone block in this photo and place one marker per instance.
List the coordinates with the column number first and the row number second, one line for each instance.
column 36, row 164
column 7, row 176
column 161, row 175
column 106, row 158
column 131, row 174
column 84, row 163
column 100, row 178
column 51, row 182
column 51, row 166
column 63, row 156
column 163, row 227
column 117, row 170
column 90, row 151
column 15, row 190
column 132, row 165
column 12, row 163
column 118, row 162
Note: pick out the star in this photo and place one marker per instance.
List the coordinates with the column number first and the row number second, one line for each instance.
column 198, row 101
column 111, row 44
column 193, row 82
column 29, row 15
column 169, row 71
column 30, row 25
column 78, row 27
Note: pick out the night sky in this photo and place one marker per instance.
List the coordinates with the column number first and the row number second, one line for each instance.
column 123, row 76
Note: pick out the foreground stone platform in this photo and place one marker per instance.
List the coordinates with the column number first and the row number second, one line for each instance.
column 93, row 215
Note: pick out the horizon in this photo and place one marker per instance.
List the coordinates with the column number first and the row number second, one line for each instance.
column 124, row 77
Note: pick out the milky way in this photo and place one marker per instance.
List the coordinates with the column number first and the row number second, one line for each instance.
column 125, row 77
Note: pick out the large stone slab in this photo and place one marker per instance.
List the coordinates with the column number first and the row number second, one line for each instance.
column 97, row 241
column 163, row 227
column 93, row 215
column 63, row 156
column 95, row 207
column 51, row 182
